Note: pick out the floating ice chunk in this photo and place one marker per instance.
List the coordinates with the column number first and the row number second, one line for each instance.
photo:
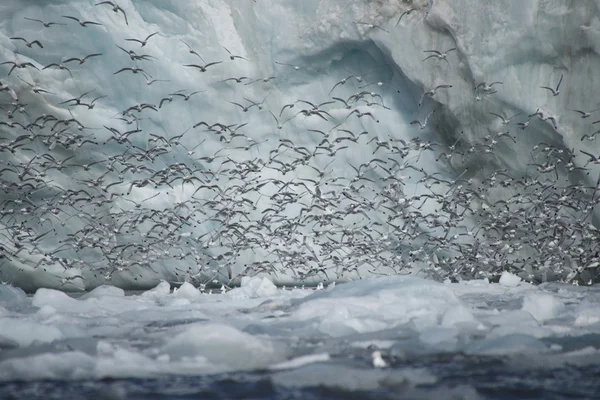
column 187, row 291
column 437, row 335
column 26, row 332
column 301, row 361
column 516, row 343
column 542, row 306
column 161, row 290
column 61, row 366
column 375, row 304
column 459, row 316
column 509, row 280
column 104, row 291
column 60, row 301
column 587, row 313
column 222, row 345
column 254, row 287
column 12, row 297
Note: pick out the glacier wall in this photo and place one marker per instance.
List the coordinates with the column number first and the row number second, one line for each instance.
column 160, row 207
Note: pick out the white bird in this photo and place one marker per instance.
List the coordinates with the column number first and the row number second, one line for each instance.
column 407, row 12
column 28, row 43
column 438, row 54
column 432, row 92
column 142, row 42
column 424, row 124
column 378, row 361
column 505, row 121
column 585, row 114
column 555, row 92
column 116, row 8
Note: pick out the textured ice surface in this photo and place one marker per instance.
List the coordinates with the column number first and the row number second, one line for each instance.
column 529, row 44
column 304, row 338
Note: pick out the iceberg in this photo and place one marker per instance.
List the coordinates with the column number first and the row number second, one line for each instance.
column 317, row 140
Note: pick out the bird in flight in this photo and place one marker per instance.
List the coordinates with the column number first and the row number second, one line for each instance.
column 46, row 24
column 142, row 42
column 203, row 68
column 28, row 43
column 555, row 92
column 80, row 22
column 115, row 7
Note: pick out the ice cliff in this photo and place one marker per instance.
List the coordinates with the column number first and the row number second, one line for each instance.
column 289, row 50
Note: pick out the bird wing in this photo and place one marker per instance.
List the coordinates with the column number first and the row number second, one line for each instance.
column 92, row 55
column 559, row 82
column 499, row 116
column 212, row 63
column 73, row 18
column 149, row 36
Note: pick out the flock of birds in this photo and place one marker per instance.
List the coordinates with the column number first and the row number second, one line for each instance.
column 117, row 199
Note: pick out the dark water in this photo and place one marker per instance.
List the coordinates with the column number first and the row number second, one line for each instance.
column 459, row 377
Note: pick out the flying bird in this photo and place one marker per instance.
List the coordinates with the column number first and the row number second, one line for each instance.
column 142, row 42
column 203, row 68
column 46, row 24
column 407, row 12
column 82, row 60
column 432, row 92
column 232, row 57
column 115, row 7
column 28, row 43
column 555, row 92
column 80, row 22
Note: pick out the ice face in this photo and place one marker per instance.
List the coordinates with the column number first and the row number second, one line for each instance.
column 129, row 202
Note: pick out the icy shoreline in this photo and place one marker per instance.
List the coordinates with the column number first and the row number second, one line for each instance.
column 296, row 333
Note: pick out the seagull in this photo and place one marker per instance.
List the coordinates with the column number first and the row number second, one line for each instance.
column 371, row 26
column 142, row 42
column 135, row 70
column 593, row 158
column 424, row 124
column 231, row 56
column 431, row 92
column 150, row 82
column 342, row 82
column 407, row 12
column 486, row 87
column 18, row 65
column 116, row 8
column 186, row 97
column 555, row 92
column 439, row 55
column 27, row 43
column 591, row 137
column 192, row 51
column 265, row 80
column 203, row 68
column 505, row 121
column 280, row 125
column 244, row 108
column 237, row 80
column 80, row 22
column 82, row 60
column 46, row 24
column 585, row 114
